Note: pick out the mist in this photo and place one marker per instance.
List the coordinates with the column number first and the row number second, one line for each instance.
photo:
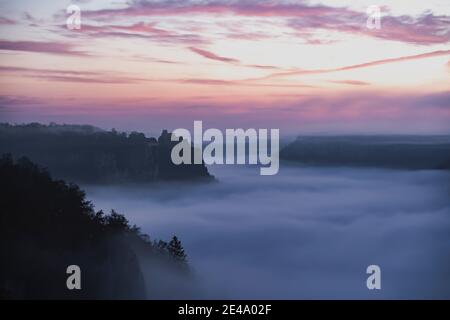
column 303, row 233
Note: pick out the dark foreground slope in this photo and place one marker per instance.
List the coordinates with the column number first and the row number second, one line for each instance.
column 406, row 152
column 47, row 225
column 88, row 154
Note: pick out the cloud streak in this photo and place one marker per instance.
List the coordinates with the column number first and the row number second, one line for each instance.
column 424, row 29
column 140, row 30
column 212, row 56
column 6, row 21
column 42, row 47
column 87, row 77
column 361, row 65
column 351, row 82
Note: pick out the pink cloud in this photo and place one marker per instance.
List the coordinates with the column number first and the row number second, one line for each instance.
column 147, row 31
column 88, row 80
column 361, row 65
column 351, row 82
column 70, row 75
column 6, row 21
column 244, row 8
column 214, row 82
column 259, row 66
column 212, row 56
column 41, row 47
column 365, row 112
column 425, row 29
column 143, row 27
column 21, row 70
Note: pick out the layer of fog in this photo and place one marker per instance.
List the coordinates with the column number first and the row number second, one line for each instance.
column 304, row 233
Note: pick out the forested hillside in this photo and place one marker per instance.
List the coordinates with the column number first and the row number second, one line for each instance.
column 47, row 225
column 88, row 154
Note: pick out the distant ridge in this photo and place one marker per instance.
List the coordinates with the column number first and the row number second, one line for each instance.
column 402, row 151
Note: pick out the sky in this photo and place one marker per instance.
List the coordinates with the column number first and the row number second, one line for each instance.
column 300, row 66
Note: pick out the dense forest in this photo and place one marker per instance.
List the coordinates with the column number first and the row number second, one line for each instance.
column 47, row 225
column 403, row 152
column 88, row 154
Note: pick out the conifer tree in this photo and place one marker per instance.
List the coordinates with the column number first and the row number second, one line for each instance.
column 176, row 250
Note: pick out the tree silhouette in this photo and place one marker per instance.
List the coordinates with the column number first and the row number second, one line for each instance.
column 117, row 222
column 47, row 224
column 176, row 250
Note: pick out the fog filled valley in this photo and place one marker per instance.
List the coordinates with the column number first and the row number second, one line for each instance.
column 304, row 233
column 336, row 206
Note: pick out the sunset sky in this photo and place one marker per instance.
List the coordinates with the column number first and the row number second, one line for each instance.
column 301, row 66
